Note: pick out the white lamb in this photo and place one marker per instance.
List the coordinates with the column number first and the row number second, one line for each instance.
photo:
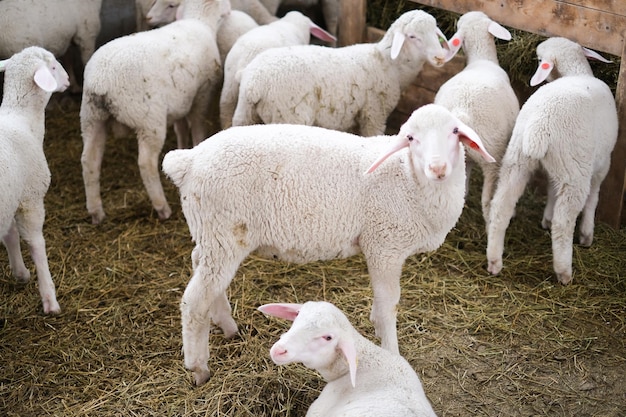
column 481, row 95
column 351, row 88
column 293, row 29
column 164, row 11
column 568, row 127
column 145, row 81
column 31, row 76
column 299, row 193
column 363, row 380
column 331, row 10
column 50, row 24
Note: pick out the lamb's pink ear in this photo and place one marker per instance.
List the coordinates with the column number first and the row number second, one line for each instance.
column 349, row 351
column 594, row 55
column 455, row 43
column 543, row 70
column 45, row 80
column 499, row 31
column 470, row 138
column 320, row 33
column 179, row 12
column 401, row 142
column 396, row 44
column 288, row 311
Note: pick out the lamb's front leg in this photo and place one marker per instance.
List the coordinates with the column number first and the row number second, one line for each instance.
column 385, row 278
column 30, row 226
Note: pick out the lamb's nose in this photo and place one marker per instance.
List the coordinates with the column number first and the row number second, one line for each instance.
column 438, row 169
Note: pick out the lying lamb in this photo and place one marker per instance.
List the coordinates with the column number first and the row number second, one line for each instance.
column 31, row 76
column 255, row 188
column 353, row 88
column 568, row 127
column 363, row 380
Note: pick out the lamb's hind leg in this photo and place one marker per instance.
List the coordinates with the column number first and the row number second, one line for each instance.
column 569, row 202
column 12, row 242
column 385, row 278
column 204, row 299
column 150, row 144
column 587, row 221
column 94, row 138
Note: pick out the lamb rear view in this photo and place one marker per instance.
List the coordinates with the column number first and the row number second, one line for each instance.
column 363, row 380
column 255, row 188
column 31, row 77
column 568, row 127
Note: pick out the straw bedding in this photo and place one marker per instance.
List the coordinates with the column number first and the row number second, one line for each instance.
column 518, row 344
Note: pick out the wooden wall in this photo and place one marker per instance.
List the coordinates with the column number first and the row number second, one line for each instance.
column 596, row 24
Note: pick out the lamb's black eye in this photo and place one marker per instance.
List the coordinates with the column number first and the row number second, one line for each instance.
column 456, row 131
column 409, row 137
column 329, row 337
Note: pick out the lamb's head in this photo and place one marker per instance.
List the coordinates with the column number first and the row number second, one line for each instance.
column 560, row 57
column 320, row 336
column 40, row 66
column 415, row 34
column 432, row 135
column 210, row 11
column 307, row 27
column 474, row 31
column 162, row 12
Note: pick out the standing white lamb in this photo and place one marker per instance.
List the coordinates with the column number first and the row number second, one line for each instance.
column 568, row 127
column 50, row 24
column 331, row 10
column 146, row 81
column 350, row 88
column 31, row 76
column 363, row 380
column 293, row 29
column 299, row 193
column 164, row 11
column 481, row 95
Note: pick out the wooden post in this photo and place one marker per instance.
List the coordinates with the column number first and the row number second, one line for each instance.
column 352, row 22
column 611, row 202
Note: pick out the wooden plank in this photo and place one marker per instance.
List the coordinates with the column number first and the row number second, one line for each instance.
column 611, row 204
column 594, row 28
column 352, row 22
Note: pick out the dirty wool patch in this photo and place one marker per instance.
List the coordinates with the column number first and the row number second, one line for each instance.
column 518, row 344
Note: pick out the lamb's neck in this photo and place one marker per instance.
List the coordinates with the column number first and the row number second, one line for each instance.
column 574, row 68
column 30, row 105
column 480, row 49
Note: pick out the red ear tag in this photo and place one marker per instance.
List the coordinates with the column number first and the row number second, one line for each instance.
column 474, row 145
column 545, row 65
column 456, row 42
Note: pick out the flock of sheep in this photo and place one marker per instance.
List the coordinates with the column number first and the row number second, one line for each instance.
column 305, row 172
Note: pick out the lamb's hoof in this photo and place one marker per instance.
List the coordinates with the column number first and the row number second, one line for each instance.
column 97, row 216
column 564, row 278
column 586, row 240
column 200, row 377
column 51, row 307
column 546, row 224
column 164, row 213
column 22, row 276
column 495, row 266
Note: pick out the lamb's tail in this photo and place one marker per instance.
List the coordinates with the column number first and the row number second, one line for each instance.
column 536, row 136
column 176, row 164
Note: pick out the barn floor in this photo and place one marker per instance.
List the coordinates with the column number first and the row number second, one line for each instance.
column 518, row 344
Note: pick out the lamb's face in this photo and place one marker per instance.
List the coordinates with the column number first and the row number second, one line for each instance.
column 432, row 135
column 312, row 340
column 417, row 35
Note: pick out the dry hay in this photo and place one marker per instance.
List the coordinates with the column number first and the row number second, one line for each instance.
column 516, row 344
